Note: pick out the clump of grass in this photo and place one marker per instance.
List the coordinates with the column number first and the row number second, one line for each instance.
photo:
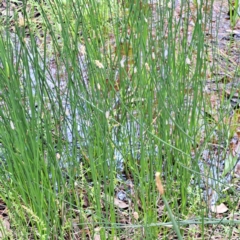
column 97, row 104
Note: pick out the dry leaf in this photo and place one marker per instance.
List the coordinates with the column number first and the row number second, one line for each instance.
column 97, row 234
column 97, row 237
column 222, row 208
column 117, row 202
column 120, row 203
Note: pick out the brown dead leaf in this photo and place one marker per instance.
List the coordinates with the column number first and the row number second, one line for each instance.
column 97, row 237
column 222, row 208
column 120, row 204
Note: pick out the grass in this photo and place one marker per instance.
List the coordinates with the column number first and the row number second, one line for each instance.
column 96, row 97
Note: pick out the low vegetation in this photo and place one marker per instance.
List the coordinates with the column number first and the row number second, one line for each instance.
column 119, row 120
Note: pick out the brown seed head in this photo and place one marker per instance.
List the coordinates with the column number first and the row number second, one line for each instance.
column 159, row 183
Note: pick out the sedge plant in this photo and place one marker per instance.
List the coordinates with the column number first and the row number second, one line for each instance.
column 109, row 93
